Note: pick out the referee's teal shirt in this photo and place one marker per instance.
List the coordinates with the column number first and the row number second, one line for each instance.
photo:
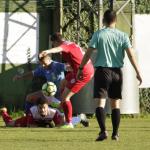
column 110, row 44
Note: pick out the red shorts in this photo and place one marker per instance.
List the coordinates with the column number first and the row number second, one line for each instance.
column 75, row 85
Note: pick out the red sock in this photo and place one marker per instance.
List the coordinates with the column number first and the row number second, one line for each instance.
column 6, row 117
column 67, row 107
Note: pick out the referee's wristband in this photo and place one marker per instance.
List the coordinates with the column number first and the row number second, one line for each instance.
column 80, row 68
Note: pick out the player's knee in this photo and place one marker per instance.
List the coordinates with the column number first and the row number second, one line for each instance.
column 115, row 103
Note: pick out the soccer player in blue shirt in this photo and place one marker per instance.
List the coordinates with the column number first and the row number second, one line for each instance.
column 51, row 70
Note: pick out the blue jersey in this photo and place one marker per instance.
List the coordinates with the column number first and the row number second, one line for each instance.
column 54, row 73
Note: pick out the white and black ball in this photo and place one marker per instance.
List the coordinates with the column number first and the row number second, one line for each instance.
column 49, row 89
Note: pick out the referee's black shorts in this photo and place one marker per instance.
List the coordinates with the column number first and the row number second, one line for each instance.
column 108, row 83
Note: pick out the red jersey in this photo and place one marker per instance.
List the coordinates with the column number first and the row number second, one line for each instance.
column 33, row 118
column 73, row 54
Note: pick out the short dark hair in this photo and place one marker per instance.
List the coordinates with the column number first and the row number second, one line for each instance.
column 109, row 16
column 41, row 101
column 56, row 37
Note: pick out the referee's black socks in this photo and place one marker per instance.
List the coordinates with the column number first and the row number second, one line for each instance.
column 101, row 116
column 115, row 117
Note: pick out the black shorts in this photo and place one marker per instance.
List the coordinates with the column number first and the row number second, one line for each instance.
column 108, row 83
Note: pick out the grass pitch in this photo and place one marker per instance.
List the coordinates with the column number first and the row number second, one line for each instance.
column 134, row 135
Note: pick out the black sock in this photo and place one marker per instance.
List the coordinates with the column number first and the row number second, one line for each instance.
column 115, row 117
column 100, row 115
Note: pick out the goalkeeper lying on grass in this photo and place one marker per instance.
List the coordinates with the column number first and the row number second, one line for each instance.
column 40, row 114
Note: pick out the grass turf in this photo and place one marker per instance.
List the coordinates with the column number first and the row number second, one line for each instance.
column 134, row 135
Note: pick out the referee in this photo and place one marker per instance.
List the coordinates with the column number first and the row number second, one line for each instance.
column 111, row 45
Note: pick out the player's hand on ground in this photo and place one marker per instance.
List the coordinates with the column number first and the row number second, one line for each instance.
column 80, row 74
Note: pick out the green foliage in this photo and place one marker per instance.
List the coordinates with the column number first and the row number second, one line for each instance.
column 142, row 6
column 87, row 22
column 30, row 5
column 145, row 100
column 17, row 5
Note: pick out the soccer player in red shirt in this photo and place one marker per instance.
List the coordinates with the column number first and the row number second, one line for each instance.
column 40, row 115
column 72, row 54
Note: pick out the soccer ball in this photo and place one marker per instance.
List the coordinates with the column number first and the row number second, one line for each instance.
column 49, row 89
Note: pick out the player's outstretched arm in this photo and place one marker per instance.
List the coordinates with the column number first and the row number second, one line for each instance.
column 32, row 97
column 132, row 59
column 50, row 51
column 28, row 75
